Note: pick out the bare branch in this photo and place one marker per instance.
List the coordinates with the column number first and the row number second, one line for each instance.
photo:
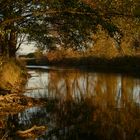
column 21, row 40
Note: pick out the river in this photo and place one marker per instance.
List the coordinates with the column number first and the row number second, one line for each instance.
column 81, row 105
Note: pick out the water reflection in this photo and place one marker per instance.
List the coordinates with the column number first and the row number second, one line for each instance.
column 82, row 106
column 90, row 105
column 66, row 84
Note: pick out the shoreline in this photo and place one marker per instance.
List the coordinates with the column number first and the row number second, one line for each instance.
column 125, row 65
column 14, row 78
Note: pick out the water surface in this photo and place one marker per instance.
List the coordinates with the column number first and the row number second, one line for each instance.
column 82, row 105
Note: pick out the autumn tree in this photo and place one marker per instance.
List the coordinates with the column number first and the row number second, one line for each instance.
column 72, row 23
column 14, row 17
column 68, row 23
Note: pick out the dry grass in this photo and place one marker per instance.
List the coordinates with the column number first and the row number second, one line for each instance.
column 11, row 75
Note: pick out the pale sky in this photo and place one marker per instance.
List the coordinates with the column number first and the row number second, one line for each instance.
column 26, row 48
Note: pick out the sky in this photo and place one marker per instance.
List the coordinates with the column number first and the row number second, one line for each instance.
column 26, row 47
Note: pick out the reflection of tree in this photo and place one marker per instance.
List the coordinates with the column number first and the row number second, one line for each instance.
column 86, row 119
column 127, row 85
column 106, row 88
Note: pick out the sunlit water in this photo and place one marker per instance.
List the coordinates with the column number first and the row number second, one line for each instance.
column 82, row 105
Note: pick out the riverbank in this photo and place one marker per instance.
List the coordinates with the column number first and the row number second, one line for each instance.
column 13, row 77
column 10, row 105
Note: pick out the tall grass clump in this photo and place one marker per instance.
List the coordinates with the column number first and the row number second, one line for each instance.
column 12, row 75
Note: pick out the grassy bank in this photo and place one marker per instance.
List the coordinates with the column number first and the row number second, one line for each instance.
column 13, row 77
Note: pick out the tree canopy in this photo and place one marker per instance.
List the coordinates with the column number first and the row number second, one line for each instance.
column 69, row 23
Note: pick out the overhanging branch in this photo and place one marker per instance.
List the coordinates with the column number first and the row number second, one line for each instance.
column 40, row 13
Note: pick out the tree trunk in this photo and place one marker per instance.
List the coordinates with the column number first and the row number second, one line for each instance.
column 0, row 44
column 3, row 44
column 12, row 44
column 2, row 50
column 8, row 42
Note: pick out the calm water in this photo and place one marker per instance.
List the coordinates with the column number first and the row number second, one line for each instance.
column 81, row 105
